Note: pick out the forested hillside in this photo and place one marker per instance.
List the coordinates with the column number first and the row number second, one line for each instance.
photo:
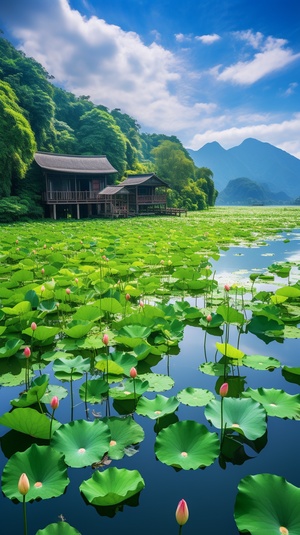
column 37, row 115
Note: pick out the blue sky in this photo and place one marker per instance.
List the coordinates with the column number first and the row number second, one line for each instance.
column 203, row 70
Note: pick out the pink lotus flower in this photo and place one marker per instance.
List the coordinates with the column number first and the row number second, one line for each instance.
column 23, row 484
column 141, row 304
column 27, row 352
column 68, row 291
column 223, row 390
column 76, row 280
column 105, row 339
column 54, row 402
column 42, row 271
column 133, row 373
column 182, row 513
column 226, row 287
column 42, row 288
column 33, row 326
column 127, row 297
column 209, row 317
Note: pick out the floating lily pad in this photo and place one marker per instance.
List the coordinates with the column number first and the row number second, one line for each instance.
column 195, row 397
column 276, row 402
column 45, row 469
column 292, row 375
column 11, row 347
column 82, row 442
column 157, row 407
column 187, row 444
column 112, row 486
column 158, row 382
column 58, row 528
column 244, row 416
column 214, row 368
column 259, row 362
column 54, row 390
column 266, row 504
column 129, row 389
column 124, row 433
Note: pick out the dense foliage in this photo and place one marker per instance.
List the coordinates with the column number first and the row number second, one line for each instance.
column 37, row 115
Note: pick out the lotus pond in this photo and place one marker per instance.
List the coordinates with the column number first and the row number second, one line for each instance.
column 147, row 361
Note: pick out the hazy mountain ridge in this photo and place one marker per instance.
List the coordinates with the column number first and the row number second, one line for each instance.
column 260, row 162
column 243, row 191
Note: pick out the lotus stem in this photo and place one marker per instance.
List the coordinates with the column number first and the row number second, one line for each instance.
column 72, row 397
column 24, row 516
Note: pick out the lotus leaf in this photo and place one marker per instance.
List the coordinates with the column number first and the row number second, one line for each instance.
column 229, row 351
column 58, row 528
column 82, row 443
column 28, row 421
column 259, row 362
column 112, row 486
column 267, row 504
column 157, row 382
column 276, row 402
column 195, row 397
column 124, row 432
column 93, row 390
column 244, row 416
column 36, row 391
column 214, row 368
column 45, row 469
column 187, row 444
column 157, row 407
column 129, row 389
column 70, row 369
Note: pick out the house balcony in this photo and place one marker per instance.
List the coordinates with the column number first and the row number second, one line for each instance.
column 71, row 197
column 151, row 199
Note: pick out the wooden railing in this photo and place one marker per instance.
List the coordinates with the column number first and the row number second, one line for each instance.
column 65, row 197
column 152, row 199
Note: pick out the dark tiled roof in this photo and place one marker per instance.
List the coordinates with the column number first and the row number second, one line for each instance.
column 136, row 180
column 74, row 164
column 113, row 190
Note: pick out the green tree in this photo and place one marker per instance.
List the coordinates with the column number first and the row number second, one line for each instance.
column 99, row 134
column 172, row 164
column 17, row 143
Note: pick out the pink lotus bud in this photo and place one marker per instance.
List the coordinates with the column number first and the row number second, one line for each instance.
column 209, row 317
column 226, row 287
column 182, row 513
column 127, row 297
column 23, row 484
column 45, row 246
column 141, row 304
column 27, row 352
column 133, row 373
column 162, row 262
column 105, row 339
column 42, row 271
column 33, row 326
column 68, row 291
column 223, row 390
column 54, row 402
column 76, row 280
column 42, row 288
column 17, row 241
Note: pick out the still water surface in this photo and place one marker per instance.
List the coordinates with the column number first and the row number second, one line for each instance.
column 210, row 493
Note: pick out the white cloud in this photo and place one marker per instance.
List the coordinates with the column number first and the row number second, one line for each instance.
column 181, row 37
column 284, row 134
column 291, row 89
column 208, row 39
column 272, row 56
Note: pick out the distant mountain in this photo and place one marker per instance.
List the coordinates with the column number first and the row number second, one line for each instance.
column 258, row 161
column 243, row 191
